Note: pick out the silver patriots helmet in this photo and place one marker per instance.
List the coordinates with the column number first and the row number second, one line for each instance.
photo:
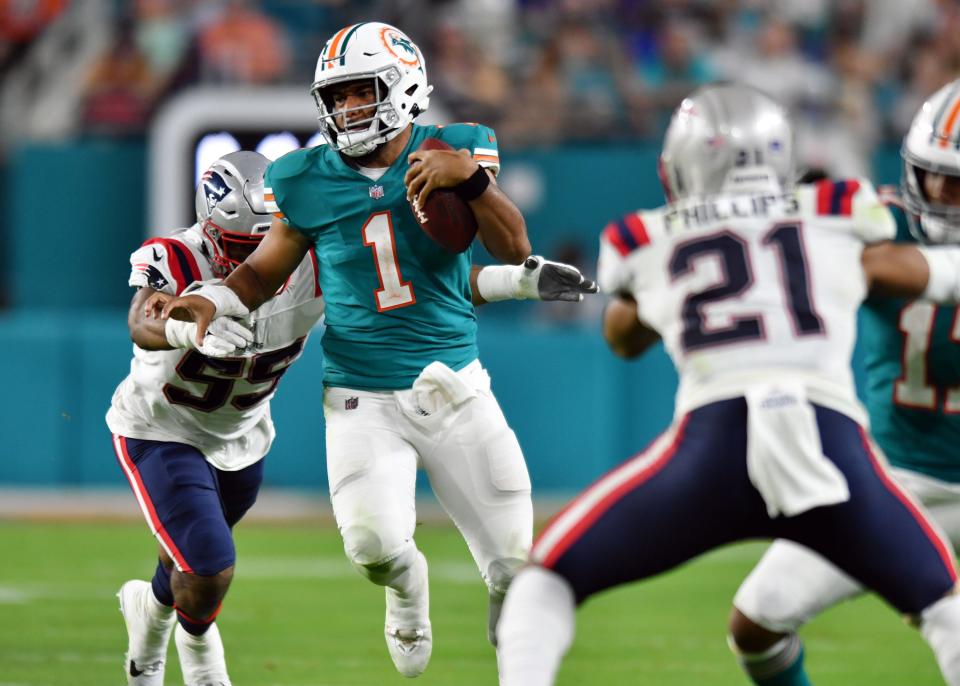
column 230, row 207
column 727, row 137
column 932, row 146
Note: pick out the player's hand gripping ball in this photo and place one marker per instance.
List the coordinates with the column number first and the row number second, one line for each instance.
column 443, row 216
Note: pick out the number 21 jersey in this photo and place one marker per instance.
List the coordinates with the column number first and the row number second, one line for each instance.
column 744, row 288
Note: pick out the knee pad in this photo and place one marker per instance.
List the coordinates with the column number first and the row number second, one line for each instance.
column 366, row 551
column 207, row 546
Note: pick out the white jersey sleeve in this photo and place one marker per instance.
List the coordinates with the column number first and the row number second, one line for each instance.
column 170, row 264
column 852, row 204
column 617, row 242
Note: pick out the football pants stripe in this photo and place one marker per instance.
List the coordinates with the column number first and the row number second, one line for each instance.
column 931, row 531
column 146, row 505
column 574, row 520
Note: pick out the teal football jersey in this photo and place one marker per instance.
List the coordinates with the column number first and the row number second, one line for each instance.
column 913, row 379
column 396, row 301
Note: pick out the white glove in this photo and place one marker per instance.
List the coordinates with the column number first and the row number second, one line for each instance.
column 225, row 301
column 224, row 336
column 536, row 279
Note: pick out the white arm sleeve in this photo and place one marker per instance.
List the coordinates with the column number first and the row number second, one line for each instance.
column 943, row 286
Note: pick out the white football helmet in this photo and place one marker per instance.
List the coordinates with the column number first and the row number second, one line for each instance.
column 727, row 137
column 932, row 145
column 231, row 209
column 383, row 54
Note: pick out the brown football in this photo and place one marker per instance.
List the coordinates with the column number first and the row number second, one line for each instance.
column 446, row 218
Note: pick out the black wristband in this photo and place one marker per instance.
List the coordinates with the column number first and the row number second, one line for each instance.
column 474, row 186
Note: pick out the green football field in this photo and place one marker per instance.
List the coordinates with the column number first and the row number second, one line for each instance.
column 298, row 615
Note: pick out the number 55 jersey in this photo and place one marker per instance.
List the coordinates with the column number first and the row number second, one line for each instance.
column 747, row 288
column 219, row 405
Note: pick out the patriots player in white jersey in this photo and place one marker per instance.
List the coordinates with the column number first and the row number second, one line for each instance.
column 753, row 283
column 191, row 424
column 912, row 368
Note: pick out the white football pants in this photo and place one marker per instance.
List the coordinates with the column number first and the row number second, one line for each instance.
column 377, row 440
column 792, row 584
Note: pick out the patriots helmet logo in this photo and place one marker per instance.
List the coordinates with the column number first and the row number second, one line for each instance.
column 215, row 189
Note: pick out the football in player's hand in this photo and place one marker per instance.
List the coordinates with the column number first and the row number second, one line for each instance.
column 444, row 217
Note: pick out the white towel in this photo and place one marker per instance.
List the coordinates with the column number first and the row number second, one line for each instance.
column 785, row 459
column 436, row 388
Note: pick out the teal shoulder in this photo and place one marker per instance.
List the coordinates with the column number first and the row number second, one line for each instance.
column 469, row 136
column 288, row 181
column 291, row 165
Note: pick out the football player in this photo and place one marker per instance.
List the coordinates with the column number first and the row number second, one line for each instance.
column 403, row 384
column 912, row 395
column 753, row 283
column 191, row 423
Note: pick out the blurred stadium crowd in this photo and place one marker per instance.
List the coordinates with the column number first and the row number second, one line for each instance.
column 540, row 71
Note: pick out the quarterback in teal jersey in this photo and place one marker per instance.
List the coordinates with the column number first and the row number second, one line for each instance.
column 913, row 399
column 403, row 386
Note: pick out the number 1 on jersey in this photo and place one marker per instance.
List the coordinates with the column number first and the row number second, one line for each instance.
column 394, row 291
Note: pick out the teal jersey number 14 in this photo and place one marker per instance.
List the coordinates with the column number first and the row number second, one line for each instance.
column 395, row 300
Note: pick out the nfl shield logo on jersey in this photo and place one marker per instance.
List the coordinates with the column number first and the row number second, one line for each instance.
column 351, row 403
column 376, row 192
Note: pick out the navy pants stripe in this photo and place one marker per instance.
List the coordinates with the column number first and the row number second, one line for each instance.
column 189, row 505
column 690, row 492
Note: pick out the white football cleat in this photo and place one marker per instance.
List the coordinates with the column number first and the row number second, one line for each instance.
column 147, row 634
column 410, row 649
column 407, row 626
column 202, row 660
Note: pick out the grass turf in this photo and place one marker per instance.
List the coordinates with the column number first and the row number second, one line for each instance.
column 298, row 615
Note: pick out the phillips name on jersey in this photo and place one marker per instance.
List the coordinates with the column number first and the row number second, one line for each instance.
column 745, row 286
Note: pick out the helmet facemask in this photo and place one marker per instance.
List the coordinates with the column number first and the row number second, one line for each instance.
column 360, row 136
column 230, row 248
column 384, row 57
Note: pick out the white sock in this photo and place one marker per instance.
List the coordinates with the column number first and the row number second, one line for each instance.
column 201, row 657
column 535, row 629
column 940, row 626
column 157, row 611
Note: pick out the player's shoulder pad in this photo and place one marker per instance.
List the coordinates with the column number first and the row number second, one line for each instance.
column 839, row 197
column 630, row 232
column 479, row 139
column 168, row 264
column 851, row 199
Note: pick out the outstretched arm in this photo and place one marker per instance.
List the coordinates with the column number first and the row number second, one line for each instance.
column 535, row 279
column 249, row 285
column 146, row 331
column 895, row 270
